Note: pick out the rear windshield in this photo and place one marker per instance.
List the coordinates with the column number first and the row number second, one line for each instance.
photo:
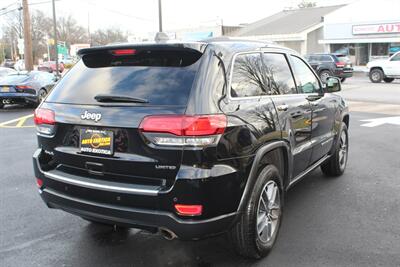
column 343, row 58
column 161, row 80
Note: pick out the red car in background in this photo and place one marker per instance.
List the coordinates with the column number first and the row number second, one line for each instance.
column 50, row 66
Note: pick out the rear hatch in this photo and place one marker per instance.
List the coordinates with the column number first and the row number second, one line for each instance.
column 102, row 100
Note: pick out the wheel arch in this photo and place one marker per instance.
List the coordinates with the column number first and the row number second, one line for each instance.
column 268, row 154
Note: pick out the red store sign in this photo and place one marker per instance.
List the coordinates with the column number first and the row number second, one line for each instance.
column 377, row 28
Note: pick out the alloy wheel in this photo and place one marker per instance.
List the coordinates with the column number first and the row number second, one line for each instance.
column 269, row 211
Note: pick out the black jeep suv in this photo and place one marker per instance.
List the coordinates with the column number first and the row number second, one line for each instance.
column 188, row 139
column 326, row 65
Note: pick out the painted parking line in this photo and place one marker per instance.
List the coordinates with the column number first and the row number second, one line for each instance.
column 17, row 123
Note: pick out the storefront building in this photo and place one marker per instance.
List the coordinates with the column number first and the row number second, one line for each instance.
column 364, row 30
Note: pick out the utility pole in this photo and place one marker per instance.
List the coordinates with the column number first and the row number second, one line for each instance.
column 159, row 16
column 55, row 35
column 27, row 37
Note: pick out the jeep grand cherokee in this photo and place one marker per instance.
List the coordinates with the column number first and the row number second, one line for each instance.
column 189, row 139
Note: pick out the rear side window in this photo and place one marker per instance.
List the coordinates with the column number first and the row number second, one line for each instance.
column 161, row 78
column 248, row 77
column 279, row 78
column 326, row 58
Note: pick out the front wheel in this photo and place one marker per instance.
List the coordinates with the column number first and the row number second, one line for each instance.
column 376, row 75
column 256, row 231
column 336, row 165
column 388, row 80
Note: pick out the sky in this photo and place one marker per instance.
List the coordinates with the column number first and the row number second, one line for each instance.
column 136, row 16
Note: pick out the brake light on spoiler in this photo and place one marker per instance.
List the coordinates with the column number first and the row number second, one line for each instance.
column 123, row 52
column 183, row 130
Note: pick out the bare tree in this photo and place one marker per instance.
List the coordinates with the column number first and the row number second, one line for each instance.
column 108, row 36
column 70, row 32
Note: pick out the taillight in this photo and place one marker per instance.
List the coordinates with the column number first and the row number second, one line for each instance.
column 189, row 210
column 183, row 130
column 44, row 120
column 340, row 64
column 123, row 52
column 23, row 87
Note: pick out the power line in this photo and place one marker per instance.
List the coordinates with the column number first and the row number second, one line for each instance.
column 3, row 8
column 9, row 11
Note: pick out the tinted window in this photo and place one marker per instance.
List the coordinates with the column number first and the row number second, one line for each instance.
column 343, row 58
column 248, row 77
column 305, row 78
column 278, row 75
column 326, row 58
column 159, row 85
column 396, row 57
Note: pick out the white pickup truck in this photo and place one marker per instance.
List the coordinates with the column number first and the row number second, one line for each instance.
column 385, row 69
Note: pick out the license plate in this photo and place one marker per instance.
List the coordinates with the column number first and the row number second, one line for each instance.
column 96, row 141
column 5, row 89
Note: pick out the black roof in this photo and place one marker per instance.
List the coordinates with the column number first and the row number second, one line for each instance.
column 224, row 43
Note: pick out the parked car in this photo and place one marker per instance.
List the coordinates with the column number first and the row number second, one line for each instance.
column 384, row 69
column 19, row 65
column 25, row 87
column 6, row 71
column 188, row 139
column 8, row 63
column 50, row 66
column 327, row 65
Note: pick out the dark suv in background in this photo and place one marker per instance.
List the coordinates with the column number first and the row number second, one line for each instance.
column 188, row 139
column 326, row 65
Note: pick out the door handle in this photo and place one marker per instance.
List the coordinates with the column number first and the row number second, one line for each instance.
column 282, row 107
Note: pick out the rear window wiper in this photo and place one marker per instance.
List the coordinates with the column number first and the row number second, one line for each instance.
column 119, row 98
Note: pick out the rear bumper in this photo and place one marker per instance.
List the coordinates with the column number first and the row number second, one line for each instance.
column 344, row 73
column 18, row 97
column 109, row 211
column 137, row 218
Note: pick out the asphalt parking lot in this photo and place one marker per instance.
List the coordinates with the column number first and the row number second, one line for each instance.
column 353, row 220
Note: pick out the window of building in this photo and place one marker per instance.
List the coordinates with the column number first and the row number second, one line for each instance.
column 305, row 79
column 380, row 49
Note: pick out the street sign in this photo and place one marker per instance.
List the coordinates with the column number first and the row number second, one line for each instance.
column 381, row 121
column 20, row 45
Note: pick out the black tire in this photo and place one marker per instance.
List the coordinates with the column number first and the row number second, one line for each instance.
column 388, row 80
column 342, row 79
column 323, row 75
column 376, row 75
column 1, row 105
column 245, row 235
column 336, row 165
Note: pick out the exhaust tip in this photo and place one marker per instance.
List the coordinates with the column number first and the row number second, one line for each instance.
column 167, row 234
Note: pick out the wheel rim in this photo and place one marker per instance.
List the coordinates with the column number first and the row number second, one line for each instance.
column 268, row 212
column 42, row 95
column 343, row 148
column 375, row 76
column 324, row 76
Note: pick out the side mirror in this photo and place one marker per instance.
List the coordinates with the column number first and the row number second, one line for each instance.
column 333, row 85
